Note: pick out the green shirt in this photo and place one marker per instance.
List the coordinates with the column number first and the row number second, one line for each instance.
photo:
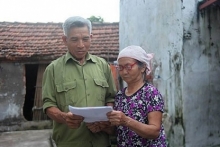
column 66, row 82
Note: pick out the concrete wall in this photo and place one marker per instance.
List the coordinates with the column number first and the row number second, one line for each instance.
column 201, row 94
column 12, row 93
column 12, row 98
column 187, row 63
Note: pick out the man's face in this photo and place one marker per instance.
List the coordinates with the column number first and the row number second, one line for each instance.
column 78, row 42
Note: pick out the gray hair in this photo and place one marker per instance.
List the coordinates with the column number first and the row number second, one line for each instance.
column 143, row 65
column 76, row 21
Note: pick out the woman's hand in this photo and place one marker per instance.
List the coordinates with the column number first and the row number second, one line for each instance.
column 117, row 118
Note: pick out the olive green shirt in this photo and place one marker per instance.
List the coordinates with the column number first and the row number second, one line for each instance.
column 66, row 82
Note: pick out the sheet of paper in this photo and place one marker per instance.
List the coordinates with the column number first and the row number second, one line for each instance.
column 91, row 114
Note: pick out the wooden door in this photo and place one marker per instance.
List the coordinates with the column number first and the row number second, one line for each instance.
column 38, row 103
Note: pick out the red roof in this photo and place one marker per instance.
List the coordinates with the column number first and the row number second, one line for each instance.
column 43, row 41
column 206, row 3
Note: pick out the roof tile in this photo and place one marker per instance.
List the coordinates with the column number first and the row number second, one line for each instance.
column 43, row 41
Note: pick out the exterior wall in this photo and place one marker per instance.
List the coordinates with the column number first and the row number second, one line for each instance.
column 12, row 93
column 12, row 98
column 186, row 61
column 201, row 90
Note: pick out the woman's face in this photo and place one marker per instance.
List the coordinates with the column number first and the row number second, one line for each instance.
column 129, row 71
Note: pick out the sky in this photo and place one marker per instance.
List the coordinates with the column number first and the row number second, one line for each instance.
column 57, row 10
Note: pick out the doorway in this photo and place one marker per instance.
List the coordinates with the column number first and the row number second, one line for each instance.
column 30, row 78
column 33, row 104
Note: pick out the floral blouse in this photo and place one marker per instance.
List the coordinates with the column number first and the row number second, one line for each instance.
column 137, row 106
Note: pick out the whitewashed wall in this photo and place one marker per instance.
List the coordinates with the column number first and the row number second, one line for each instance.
column 201, row 50
column 12, row 93
column 189, row 67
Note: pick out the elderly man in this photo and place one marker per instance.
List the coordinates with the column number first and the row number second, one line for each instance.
column 78, row 79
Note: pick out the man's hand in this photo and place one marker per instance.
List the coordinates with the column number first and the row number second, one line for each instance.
column 98, row 126
column 72, row 120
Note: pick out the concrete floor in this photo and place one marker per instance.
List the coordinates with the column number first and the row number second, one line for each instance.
column 29, row 138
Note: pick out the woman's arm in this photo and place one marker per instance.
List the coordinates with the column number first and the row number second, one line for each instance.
column 150, row 130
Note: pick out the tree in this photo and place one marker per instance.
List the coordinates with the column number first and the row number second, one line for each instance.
column 96, row 19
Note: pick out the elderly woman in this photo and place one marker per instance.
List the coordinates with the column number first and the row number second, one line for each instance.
column 138, row 107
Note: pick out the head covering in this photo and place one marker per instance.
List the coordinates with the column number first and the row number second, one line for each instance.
column 136, row 52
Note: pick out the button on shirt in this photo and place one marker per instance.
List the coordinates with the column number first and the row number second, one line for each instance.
column 66, row 82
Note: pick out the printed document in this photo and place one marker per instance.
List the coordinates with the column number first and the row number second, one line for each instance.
column 92, row 114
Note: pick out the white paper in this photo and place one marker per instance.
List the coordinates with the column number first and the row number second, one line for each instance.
column 92, row 114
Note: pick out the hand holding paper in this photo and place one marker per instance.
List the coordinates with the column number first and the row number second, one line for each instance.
column 92, row 114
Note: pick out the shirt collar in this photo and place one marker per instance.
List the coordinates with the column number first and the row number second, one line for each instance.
column 89, row 57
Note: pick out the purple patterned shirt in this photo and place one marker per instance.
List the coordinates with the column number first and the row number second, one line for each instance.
column 137, row 106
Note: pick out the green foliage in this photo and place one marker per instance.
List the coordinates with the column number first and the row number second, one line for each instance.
column 96, row 19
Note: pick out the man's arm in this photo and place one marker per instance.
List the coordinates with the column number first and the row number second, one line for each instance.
column 73, row 121
column 56, row 115
column 107, row 127
column 50, row 105
column 111, row 90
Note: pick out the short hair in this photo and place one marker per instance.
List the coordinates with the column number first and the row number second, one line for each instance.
column 76, row 21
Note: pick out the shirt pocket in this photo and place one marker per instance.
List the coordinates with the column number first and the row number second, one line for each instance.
column 66, row 94
column 101, row 86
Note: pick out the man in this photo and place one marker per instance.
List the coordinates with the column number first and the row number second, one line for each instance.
column 78, row 79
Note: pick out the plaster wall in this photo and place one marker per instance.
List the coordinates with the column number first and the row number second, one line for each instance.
column 12, row 93
column 187, row 64
column 201, row 81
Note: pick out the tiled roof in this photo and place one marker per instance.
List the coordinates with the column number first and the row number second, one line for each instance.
column 43, row 41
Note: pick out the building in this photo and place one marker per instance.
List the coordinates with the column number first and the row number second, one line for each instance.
column 185, row 37
column 25, row 51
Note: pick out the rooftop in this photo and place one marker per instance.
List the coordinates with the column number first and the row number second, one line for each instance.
column 43, row 41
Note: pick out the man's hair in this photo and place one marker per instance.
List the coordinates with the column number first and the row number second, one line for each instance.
column 76, row 21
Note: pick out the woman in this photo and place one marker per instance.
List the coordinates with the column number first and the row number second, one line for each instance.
column 138, row 107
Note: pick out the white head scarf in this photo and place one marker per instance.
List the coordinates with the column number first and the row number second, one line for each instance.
column 136, row 52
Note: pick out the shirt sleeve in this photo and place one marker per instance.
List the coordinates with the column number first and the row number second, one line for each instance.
column 48, row 88
column 155, row 101
column 111, row 90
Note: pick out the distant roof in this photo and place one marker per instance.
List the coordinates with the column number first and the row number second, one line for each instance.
column 207, row 3
column 43, row 41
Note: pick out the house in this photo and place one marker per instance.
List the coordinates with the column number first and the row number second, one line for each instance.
column 25, row 50
column 184, row 35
